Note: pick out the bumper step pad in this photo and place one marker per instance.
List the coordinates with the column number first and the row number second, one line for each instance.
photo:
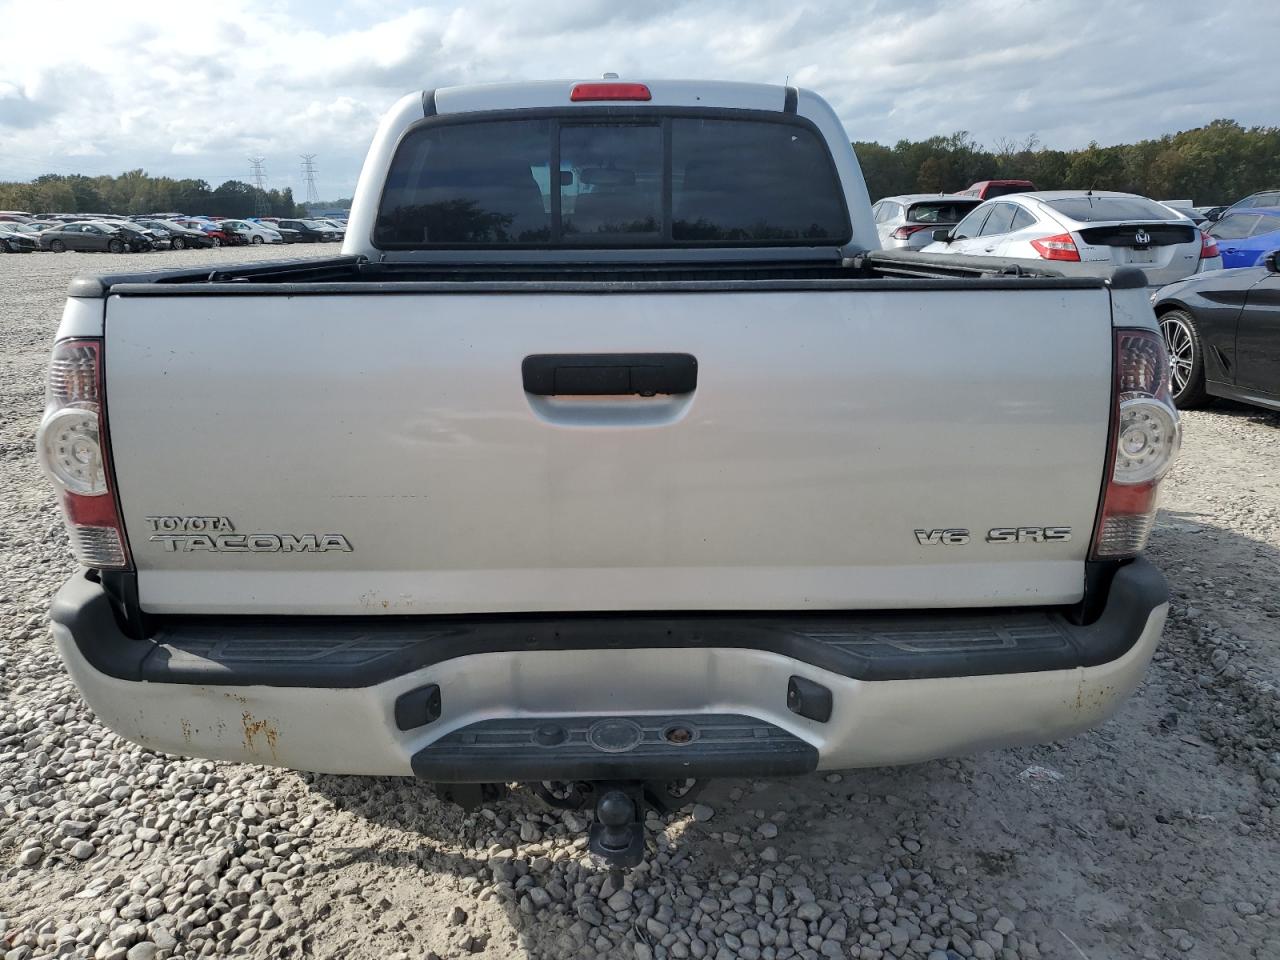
column 640, row 747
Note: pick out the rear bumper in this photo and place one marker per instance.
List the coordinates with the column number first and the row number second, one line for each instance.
column 529, row 698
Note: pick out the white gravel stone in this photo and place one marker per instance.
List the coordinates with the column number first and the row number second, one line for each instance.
column 82, row 850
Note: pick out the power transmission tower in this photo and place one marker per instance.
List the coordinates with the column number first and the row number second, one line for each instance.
column 259, row 175
column 309, row 175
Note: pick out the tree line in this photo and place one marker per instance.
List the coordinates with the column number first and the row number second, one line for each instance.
column 136, row 191
column 1217, row 163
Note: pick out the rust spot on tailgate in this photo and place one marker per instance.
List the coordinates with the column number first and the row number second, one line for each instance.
column 255, row 728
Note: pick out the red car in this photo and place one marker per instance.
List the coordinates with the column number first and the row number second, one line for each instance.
column 221, row 238
column 987, row 189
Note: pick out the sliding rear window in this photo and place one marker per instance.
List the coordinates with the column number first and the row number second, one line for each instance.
column 633, row 181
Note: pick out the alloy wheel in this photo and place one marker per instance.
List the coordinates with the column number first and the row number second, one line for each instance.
column 1182, row 351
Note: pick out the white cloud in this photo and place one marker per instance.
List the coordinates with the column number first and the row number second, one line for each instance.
column 193, row 90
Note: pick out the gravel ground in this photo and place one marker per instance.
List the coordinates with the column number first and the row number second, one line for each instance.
column 1153, row 836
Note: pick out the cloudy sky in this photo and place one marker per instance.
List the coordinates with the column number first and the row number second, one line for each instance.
column 193, row 89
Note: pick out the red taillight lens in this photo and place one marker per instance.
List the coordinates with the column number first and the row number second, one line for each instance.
column 903, row 232
column 1059, row 247
column 610, row 91
column 72, row 443
column 1145, row 439
column 1208, row 246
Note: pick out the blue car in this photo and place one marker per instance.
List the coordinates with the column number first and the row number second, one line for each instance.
column 1247, row 235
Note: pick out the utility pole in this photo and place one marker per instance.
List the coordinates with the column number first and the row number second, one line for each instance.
column 309, row 175
column 259, row 175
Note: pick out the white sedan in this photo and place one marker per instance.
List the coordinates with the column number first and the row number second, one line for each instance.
column 253, row 232
column 1111, row 229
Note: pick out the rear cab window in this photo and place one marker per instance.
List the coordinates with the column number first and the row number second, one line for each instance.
column 582, row 179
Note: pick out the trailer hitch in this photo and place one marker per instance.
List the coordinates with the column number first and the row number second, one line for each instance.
column 617, row 836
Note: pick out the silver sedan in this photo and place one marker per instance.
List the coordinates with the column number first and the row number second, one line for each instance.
column 1082, row 226
column 907, row 222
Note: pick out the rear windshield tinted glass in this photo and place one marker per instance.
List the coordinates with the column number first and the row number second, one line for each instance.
column 940, row 211
column 730, row 182
column 1105, row 209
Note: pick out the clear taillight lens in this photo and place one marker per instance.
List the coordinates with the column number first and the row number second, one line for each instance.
column 72, row 444
column 1146, row 438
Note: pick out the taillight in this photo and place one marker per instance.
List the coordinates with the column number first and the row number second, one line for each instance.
column 903, row 232
column 72, row 444
column 609, row 91
column 1208, row 246
column 1058, row 247
column 1146, row 436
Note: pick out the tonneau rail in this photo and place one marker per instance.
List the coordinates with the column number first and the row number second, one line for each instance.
column 358, row 275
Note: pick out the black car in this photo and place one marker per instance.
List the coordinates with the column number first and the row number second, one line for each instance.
column 308, row 231
column 180, row 237
column 139, row 238
column 85, row 235
column 1222, row 330
column 16, row 241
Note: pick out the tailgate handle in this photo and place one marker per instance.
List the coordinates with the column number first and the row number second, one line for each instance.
column 609, row 374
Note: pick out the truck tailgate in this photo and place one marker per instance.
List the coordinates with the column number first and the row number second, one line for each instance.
column 256, row 438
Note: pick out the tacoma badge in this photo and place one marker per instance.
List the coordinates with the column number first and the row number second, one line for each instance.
column 216, row 535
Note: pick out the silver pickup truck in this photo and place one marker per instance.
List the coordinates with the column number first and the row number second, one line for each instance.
column 609, row 455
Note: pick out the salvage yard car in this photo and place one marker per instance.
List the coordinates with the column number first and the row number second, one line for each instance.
column 310, row 231
column 689, row 482
column 1085, row 226
column 85, row 236
column 1246, row 236
column 1222, row 331
column 907, row 222
column 16, row 241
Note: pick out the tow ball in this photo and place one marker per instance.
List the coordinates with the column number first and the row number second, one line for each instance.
column 617, row 836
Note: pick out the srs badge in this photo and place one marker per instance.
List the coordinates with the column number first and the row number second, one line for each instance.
column 217, row 535
column 956, row 536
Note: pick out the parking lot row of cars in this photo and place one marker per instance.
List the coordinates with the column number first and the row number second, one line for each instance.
column 22, row 233
column 1009, row 218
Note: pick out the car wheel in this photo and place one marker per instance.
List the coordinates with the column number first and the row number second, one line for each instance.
column 115, row 246
column 1186, row 358
column 177, row 243
column 257, row 239
column 57, row 246
column 217, row 242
